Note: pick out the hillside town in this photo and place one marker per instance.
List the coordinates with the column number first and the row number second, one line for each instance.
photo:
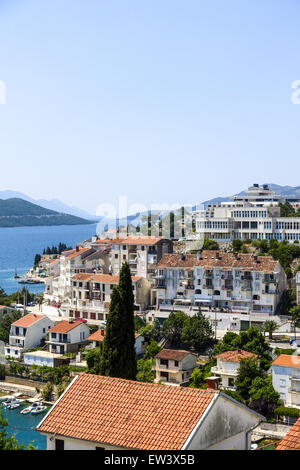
column 151, row 331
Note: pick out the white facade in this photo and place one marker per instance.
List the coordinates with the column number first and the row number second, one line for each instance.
column 254, row 216
column 173, row 371
column 68, row 341
column 22, row 338
column 286, row 381
column 298, row 287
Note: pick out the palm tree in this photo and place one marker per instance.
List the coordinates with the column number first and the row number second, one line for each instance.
column 270, row 326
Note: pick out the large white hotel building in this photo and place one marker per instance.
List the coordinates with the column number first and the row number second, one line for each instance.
column 255, row 215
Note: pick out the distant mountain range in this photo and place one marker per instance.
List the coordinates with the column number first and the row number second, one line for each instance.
column 16, row 212
column 289, row 192
column 53, row 204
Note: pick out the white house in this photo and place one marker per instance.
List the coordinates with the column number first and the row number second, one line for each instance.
column 98, row 336
column 27, row 333
column 174, row 366
column 286, row 379
column 44, row 358
column 67, row 336
column 98, row 412
column 228, row 364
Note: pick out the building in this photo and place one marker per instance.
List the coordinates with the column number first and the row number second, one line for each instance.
column 228, row 364
column 234, row 282
column 67, row 336
column 174, row 366
column 292, row 440
column 90, row 296
column 286, row 379
column 27, row 333
column 98, row 336
column 253, row 216
column 44, row 358
column 4, row 310
column 104, row 413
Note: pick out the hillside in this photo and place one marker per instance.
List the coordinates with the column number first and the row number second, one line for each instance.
column 16, row 212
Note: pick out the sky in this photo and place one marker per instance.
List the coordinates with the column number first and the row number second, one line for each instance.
column 161, row 101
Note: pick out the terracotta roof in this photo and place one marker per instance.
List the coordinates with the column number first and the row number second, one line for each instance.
column 175, row 354
column 28, row 320
column 65, row 326
column 287, row 360
column 98, row 336
column 128, row 414
column 292, row 440
column 101, row 278
column 78, row 253
column 208, row 260
column 236, row 356
column 131, row 240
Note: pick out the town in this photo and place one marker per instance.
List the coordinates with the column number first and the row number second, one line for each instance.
column 169, row 344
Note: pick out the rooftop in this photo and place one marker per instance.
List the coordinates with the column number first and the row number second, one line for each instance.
column 65, row 326
column 173, row 354
column 28, row 320
column 101, row 278
column 130, row 240
column 292, row 440
column 236, row 356
column 287, row 360
column 128, row 414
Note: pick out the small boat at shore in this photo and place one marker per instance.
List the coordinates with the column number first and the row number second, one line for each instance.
column 12, row 403
column 29, row 409
column 38, row 409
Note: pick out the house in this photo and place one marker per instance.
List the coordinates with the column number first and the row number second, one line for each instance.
column 174, row 366
column 255, row 215
column 106, row 413
column 292, row 440
column 91, row 293
column 4, row 310
column 98, row 336
column 67, row 336
column 27, row 333
column 242, row 283
column 228, row 364
column 286, row 379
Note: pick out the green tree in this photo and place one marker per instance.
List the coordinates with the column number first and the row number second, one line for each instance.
column 197, row 379
column 144, row 370
column 93, row 359
column 237, row 245
column 152, row 349
column 248, row 371
column 173, row 327
column 270, row 326
column 210, row 244
column 47, row 391
column 197, row 332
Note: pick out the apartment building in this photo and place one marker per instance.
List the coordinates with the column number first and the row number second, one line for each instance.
column 298, row 287
column 174, row 366
column 141, row 252
column 90, row 295
column 253, row 216
column 228, row 364
column 286, row 379
column 235, row 282
column 27, row 333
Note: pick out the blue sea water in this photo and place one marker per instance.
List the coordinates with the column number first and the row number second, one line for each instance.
column 19, row 245
column 23, row 427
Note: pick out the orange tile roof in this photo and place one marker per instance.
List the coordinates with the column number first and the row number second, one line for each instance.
column 65, row 326
column 131, row 240
column 236, row 356
column 28, row 320
column 101, row 278
column 99, row 336
column 287, row 360
column 78, row 253
column 292, row 440
column 128, row 414
column 208, row 260
column 174, row 354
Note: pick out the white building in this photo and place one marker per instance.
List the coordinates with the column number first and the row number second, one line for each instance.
column 286, row 379
column 298, row 287
column 235, row 282
column 67, row 336
column 253, row 216
column 174, row 366
column 98, row 336
column 104, row 413
column 228, row 365
column 44, row 358
column 27, row 333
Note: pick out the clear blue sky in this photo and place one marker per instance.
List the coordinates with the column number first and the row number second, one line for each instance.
column 164, row 101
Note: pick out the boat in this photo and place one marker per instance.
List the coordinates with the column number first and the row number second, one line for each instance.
column 38, row 409
column 30, row 408
column 13, row 406
column 16, row 275
column 12, row 403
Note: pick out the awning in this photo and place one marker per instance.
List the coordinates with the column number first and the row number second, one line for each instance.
column 203, row 300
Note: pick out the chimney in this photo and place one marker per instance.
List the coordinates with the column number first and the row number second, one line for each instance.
column 218, row 255
column 255, row 258
column 102, row 332
column 212, row 383
column 77, row 248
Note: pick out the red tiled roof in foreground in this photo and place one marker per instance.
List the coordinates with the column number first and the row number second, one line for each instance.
column 28, row 320
column 236, row 356
column 128, row 414
column 292, row 440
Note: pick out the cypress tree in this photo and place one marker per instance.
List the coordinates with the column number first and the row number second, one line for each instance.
column 118, row 357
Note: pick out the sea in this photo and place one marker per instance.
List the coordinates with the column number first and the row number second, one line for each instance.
column 23, row 427
column 19, row 245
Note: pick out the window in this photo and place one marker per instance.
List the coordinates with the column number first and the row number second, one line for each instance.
column 164, row 362
column 282, row 382
column 176, row 363
column 59, row 444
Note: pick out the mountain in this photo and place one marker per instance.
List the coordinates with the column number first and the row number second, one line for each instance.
column 53, row 204
column 289, row 192
column 15, row 212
